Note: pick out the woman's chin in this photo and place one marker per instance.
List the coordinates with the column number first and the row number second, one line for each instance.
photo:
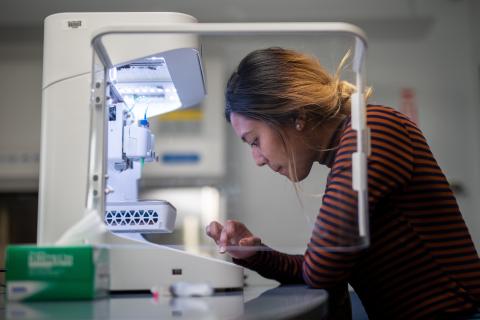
column 297, row 178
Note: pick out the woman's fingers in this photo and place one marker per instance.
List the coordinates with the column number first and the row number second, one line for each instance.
column 214, row 230
column 223, row 241
column 232, row 234
column 229, row 235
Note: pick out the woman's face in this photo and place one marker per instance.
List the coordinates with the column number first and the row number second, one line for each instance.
column 268, row 147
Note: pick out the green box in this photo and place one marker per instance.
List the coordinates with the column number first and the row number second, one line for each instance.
column 56, row 273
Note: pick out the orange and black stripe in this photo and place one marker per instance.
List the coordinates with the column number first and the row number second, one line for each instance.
column 421, row 262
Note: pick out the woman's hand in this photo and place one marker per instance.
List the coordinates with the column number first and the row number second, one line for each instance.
column 235, row 234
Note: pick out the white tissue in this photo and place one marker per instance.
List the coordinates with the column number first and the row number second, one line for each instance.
column 86, row 230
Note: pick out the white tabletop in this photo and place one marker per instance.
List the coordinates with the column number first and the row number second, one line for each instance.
column 283, row 302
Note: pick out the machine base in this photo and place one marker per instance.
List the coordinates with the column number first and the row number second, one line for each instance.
column 139, row 267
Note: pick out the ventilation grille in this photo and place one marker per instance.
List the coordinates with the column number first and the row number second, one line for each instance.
column 114, row 218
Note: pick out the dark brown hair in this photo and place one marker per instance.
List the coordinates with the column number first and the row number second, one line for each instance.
column 277, row 85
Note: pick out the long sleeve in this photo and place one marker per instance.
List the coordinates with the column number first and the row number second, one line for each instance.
column 271, row 264
column 389, row 168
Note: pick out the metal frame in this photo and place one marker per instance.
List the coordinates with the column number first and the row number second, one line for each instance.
column 96, row 199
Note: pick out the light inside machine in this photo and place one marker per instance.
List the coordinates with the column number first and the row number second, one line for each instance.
column 146, row 87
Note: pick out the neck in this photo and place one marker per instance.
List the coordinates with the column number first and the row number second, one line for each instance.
column 323, row 138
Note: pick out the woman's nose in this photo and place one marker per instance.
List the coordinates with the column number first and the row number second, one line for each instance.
column 260, row 160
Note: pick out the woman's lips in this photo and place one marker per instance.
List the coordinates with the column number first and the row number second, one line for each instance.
column 280, row 170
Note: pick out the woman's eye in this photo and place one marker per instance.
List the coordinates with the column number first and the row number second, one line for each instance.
column 254, row 143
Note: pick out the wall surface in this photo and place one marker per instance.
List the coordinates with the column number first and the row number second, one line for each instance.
column 20, row 105
column 474, row 85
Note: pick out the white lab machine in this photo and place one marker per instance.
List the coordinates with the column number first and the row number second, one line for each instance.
column 105, row 75
column 96, row 137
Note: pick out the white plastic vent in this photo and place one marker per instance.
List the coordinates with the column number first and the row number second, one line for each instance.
column 131, row 217
column 143, row 216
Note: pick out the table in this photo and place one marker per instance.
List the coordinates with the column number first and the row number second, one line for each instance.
column 256, row 302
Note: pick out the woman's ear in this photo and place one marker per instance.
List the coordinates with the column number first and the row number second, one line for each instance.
column 300, row 122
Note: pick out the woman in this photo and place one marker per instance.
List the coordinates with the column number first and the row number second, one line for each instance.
column 421, row 262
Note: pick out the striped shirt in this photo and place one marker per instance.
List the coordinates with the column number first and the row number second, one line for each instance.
column 421, row 262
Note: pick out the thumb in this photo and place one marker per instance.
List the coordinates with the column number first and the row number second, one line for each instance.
column 250, row 241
